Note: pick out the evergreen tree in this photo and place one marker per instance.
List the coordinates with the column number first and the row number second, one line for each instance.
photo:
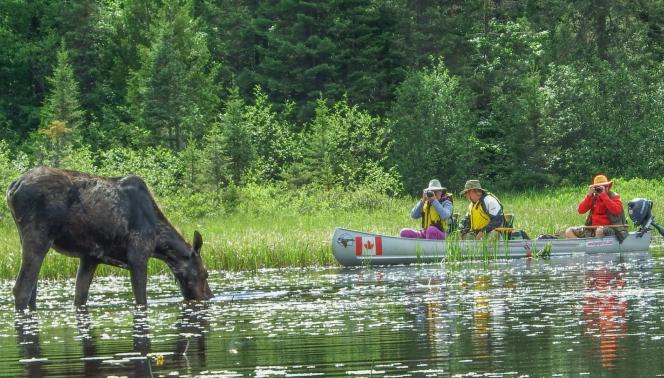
column 174, row 94
column 343, row 146
column 295, row 48
column 191, row 156
column 62, row 103
column 277, row 144
column 318, row 164
column 368, row 54
column 238, row 147
column 214, row 160
column 62, row 117
column 230, row 152
column 431, row 129
column 128, row 27
column 506, row 84
column 28, row 49
column 231, row 40
column 80, row 27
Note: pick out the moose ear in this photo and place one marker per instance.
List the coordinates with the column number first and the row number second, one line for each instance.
column 198, row 242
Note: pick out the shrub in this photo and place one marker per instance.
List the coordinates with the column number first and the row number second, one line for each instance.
column 159, row 167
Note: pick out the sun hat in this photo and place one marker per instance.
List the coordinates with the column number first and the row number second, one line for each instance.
column 472, row 184
column 435, row 185
column 601, row 180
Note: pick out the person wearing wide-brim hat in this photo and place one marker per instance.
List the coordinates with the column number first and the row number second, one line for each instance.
column 485, row 212
column 434, row 209
column 605, row 212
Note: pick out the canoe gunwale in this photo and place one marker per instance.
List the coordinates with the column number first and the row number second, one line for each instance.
column 390, row 250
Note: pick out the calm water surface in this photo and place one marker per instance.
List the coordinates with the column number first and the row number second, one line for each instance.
column 601, row 315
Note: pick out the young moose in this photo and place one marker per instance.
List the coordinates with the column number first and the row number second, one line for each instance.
column 100, row 220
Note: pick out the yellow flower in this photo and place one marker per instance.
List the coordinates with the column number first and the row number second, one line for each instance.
column 159, row 359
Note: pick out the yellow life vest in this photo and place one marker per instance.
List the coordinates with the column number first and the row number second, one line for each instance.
column 479, row 217
column 430, row 217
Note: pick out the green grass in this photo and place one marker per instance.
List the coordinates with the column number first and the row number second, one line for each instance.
column 250, row 240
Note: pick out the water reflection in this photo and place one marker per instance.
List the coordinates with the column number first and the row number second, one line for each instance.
column 605, row 311
column 481, row 316
column 88, row 343
column 95, row 342
column 192, row 326
column 565, row 317
column 27, row 337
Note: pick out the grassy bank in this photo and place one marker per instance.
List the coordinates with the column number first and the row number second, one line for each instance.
column 278, row 235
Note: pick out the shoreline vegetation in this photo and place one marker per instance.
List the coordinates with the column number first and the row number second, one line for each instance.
column 293, row 229
column 265, row 138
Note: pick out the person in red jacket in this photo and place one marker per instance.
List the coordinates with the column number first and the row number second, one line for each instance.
column 606, row 216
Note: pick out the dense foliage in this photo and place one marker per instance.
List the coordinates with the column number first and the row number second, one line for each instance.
column 204, row 98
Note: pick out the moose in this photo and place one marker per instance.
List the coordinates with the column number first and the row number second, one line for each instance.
column 100, row 220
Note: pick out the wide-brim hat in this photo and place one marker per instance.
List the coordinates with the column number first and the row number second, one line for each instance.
column 435, row 185
column 472, row 184
column 601, row 180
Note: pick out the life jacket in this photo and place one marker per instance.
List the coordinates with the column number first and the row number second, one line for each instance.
column 479, row 216
column 430, row 216
column 621, row 232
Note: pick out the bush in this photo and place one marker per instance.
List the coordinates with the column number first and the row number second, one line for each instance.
column 193, row 205
column 80, row 159
column 159, row 167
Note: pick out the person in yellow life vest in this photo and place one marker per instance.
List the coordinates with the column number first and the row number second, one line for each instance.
column 435, row 210
column 485, row 212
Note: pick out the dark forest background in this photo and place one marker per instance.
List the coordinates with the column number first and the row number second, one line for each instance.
column 206, row 96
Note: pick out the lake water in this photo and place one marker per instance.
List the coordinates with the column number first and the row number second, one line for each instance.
column 576, row 316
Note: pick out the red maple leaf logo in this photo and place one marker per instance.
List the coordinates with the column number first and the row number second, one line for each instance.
column 368, row 245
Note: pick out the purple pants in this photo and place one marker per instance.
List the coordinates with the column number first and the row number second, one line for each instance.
column 430, row 233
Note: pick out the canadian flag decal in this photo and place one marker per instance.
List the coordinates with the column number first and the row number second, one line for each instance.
column 368, row 245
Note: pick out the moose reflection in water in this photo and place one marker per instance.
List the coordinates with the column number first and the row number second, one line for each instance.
column 139, row 360
column 27, row 336
column 99, row 220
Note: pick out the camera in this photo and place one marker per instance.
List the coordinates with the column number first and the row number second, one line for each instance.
column 429, row 193
column 599, row 189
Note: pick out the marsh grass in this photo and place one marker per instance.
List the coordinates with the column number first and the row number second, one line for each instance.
column 259, row 236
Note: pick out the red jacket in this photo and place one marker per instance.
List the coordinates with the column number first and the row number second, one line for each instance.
column 603, row 203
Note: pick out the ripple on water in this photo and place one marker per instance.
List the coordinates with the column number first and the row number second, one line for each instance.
column 597, row 315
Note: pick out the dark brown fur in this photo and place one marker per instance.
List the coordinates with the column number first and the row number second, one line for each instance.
column 100, row 220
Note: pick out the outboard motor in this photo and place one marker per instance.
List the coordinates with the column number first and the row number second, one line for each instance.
column 639, row 212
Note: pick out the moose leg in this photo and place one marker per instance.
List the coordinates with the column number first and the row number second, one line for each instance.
column 139, row 280
column 86, row 270
column 137, row 259
column 32, row 304
column 25, row 288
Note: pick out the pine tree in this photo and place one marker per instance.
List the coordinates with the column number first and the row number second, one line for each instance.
column 61, row 115
column 229, row 152
column 62, row 103
column 79, row 24
column 368, row 55
column 214, row 160
column 174, row 94
column 237, row 146
column 295, row 47
column 231, row 40
column 277, row 144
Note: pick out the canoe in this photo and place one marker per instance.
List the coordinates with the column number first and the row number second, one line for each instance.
column 353, row 248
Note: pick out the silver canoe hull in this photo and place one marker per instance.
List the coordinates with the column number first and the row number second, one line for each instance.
column 353, row 248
